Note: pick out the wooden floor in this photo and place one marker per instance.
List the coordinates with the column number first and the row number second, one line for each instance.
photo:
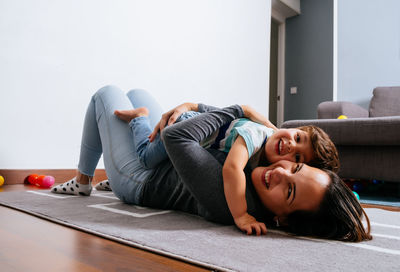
column 29, row 243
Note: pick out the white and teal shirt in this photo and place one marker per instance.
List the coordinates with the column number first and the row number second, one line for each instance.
column 254, row 135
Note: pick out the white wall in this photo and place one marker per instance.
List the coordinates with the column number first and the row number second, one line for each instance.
column 54, row 54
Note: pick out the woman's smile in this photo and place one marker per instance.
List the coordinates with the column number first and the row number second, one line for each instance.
column 265, row 177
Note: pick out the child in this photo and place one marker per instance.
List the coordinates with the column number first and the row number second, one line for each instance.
column 245, row 142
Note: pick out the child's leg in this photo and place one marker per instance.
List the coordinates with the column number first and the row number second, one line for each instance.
column 141, row 98
column 187, row 115
column 104, row 131
column 150, row 154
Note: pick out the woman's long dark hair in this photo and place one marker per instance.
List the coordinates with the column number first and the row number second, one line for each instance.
column 339, row 216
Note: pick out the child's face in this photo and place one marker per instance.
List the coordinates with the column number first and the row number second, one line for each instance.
column 285, row 187
column 289, row 144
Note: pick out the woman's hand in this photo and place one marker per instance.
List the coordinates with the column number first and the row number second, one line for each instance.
column 248, row 223
column 171, row 116
column 257, row 117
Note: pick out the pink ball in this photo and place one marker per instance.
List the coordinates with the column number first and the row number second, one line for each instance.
column 48, row 181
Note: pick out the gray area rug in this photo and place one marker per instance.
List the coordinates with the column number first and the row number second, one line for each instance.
column 218, row 247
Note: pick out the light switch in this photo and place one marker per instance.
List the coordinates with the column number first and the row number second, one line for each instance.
column 293, row 90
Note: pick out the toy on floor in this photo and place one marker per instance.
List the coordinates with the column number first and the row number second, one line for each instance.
column 41, row 181
column 358, row 186
column 1, row 181
column 342, row 117
column 358, row 197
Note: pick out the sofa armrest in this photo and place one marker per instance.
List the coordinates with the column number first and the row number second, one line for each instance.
column 332, row 110
column 357, row 131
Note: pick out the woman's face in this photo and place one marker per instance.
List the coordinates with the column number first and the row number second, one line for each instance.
column 285, row 187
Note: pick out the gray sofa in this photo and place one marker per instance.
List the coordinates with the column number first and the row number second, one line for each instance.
column 368, row 141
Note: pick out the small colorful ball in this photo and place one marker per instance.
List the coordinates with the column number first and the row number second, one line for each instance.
column 358, row 197
column 1, row 181
column 32, row 179
column 47, row 182
column 39, row 180
column 342, row 117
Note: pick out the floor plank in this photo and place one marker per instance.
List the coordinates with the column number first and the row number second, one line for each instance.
column 32, row 244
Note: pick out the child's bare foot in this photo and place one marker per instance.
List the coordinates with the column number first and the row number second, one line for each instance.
column 128, row 115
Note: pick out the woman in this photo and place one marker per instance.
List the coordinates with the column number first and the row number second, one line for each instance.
column 191, row 181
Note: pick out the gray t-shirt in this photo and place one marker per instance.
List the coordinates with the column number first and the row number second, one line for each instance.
column 191, row 181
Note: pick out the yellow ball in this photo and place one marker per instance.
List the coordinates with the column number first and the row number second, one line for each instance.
column 1, row 181
column 342, row 117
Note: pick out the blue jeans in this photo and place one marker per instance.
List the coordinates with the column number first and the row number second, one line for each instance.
column 104, row 133
column 151, row 153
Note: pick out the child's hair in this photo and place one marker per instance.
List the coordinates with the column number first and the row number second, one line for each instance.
column 325, row 152
column 339, row 216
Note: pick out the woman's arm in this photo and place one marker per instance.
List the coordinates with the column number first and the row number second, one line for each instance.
column 199, row 170
column 171, row 116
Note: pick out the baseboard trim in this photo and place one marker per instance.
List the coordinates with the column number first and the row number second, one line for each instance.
column 18, row 176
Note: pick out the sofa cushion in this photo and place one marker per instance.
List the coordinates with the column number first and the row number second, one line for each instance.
column 333, row 109
column 385, row 102
column 376, row 131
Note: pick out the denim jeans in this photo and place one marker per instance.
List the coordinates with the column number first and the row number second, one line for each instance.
column 104, row 133
column 151, row 153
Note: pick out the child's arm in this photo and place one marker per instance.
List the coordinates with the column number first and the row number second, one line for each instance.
column 235, row 188
column 257, row 117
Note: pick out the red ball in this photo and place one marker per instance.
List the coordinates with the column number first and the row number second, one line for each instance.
column 32, row 179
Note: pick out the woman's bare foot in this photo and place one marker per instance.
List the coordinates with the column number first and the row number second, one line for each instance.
column 128, row 115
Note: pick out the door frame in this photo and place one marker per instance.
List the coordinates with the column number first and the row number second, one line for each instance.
column 280, row 90
column 280, row 11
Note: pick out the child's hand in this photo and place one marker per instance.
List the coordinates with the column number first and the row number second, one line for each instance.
column 248, row 223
